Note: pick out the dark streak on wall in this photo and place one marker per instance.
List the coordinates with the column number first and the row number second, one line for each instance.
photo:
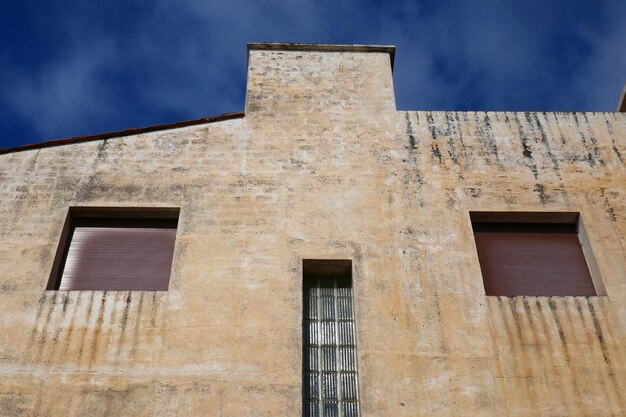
column 138, row 324
column 546, row 142
column 97, row 331
column 552, row 358
column 544, row 198
column 594, row 143
column 84, row 330
column 41, row 343
column 59, row 328
column 619, row 392
column 431, row 126
column 526, row 151
column 607, row 204
column 413, row 160
column 485, row 137
column 72, row 325
column 124, row 324
column 434, row 149
column 451, row 132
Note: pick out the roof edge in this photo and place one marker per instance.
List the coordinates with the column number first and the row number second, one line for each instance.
column 122, row 133
column 324, row 47
column 621, row 104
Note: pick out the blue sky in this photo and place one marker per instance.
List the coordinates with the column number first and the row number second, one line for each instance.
column 70, row 68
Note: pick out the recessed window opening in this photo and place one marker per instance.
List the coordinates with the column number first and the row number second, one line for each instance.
column 330, row 383
column 534, row 254
column 115, row 249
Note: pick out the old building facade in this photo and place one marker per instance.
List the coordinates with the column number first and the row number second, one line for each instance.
column 321, row 166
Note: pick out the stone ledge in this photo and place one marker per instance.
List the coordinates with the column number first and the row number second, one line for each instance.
column 322, row 47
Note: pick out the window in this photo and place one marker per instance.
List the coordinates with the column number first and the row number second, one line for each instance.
column 330, row 387
column 115, row 249
column 534, row 254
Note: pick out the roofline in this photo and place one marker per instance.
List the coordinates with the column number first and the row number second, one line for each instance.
column 122, row 133
column 323, row 47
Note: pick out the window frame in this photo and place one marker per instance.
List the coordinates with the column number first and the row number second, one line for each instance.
column 551, row 218
column 335, row 270
column 77, row 216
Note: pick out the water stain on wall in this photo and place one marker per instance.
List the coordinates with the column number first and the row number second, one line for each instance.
column 556, row 338
column 83, row 329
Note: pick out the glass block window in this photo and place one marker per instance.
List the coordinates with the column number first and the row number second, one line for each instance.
column 330, row 387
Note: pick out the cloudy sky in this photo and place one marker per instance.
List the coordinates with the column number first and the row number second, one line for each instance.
column 70, row 68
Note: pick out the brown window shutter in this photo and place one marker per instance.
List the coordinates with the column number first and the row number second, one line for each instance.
column 532, row 259
column 120, row 254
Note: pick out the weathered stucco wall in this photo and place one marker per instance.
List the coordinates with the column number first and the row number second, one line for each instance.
column 321, row 166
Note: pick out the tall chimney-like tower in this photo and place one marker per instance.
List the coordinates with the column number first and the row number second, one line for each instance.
column 287, row 79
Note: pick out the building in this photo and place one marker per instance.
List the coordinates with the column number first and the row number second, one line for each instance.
column 319, row 210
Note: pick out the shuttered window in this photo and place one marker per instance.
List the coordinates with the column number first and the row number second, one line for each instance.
column 117, row 254
column 330, row 387
column 534, row 259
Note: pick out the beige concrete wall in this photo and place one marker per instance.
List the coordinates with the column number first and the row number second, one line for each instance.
column 321, row 166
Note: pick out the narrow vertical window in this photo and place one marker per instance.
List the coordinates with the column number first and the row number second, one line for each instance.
column 330, row 387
